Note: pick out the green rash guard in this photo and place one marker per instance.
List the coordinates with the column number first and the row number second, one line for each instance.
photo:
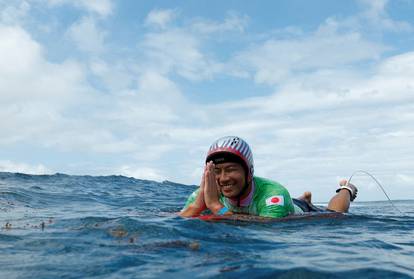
column 269, row 199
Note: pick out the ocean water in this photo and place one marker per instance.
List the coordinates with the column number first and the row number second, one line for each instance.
column 61, row 226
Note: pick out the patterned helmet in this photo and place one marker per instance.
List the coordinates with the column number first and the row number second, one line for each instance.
column 236, row 147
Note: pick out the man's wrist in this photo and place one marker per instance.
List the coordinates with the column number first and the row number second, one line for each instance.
column 215, row 208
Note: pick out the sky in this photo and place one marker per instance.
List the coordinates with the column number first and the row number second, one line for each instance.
column 319, row 89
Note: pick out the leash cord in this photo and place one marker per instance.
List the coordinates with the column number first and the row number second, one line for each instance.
column 378, row 183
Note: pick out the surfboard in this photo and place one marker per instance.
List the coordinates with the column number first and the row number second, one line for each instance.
column 253, row 218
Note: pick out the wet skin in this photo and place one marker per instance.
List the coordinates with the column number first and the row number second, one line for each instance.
column 230, row 178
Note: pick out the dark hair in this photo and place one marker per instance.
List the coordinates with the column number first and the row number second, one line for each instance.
column 226, row 157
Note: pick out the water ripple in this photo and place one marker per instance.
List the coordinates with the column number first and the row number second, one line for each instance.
column 65, row 226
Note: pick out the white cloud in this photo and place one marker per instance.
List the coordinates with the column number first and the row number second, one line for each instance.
column 102, row 7
column 25, row 74
column 161, row 18
column 375, row 8
column 398, row 66
column 141, row 172
column 87, row 36
column 156, row 102
column 99, row 7
column 48, row 103
column 14, row 13
column 18, row 52
column 182, row 50
column 155, row 88
column 409, row 179
column 114, row 75
column 179, row 52
column 34, row 92
column 374, row 20
column 376, row 15
column 277, row 60
column 335, row 89
column 9, row 166
column 232, row 22
column 337, row 43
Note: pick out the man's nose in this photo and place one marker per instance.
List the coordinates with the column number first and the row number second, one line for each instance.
column 222, row 176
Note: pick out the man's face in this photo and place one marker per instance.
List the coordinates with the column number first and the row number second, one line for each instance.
column 231, row 178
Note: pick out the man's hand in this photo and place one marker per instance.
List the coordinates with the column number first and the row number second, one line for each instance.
column 211, row 193
column 199, row 204
column 352, row 189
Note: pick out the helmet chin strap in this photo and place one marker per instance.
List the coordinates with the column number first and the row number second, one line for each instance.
column 242, row 192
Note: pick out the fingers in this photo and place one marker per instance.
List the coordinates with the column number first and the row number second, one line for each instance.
column 209, row 172
column 206, row 175
column 210, row 166
column 210, row 176
column 200, row 198
column 203, row 182
column 211, row 194
column 210, row 182
column 344, row 182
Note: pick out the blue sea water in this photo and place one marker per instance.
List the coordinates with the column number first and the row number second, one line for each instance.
column 61, row 226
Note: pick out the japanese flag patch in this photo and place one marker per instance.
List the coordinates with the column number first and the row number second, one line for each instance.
column 275, row 200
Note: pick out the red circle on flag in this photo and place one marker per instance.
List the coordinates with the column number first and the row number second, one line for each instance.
column 275, row 200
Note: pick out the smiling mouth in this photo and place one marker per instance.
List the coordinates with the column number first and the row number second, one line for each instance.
column 227, row 187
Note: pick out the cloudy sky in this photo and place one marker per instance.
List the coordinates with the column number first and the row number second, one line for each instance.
column 319, row 89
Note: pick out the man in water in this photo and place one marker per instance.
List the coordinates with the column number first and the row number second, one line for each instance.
column 228, row 186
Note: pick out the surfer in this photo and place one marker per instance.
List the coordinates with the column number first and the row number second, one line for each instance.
column 228, row 186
